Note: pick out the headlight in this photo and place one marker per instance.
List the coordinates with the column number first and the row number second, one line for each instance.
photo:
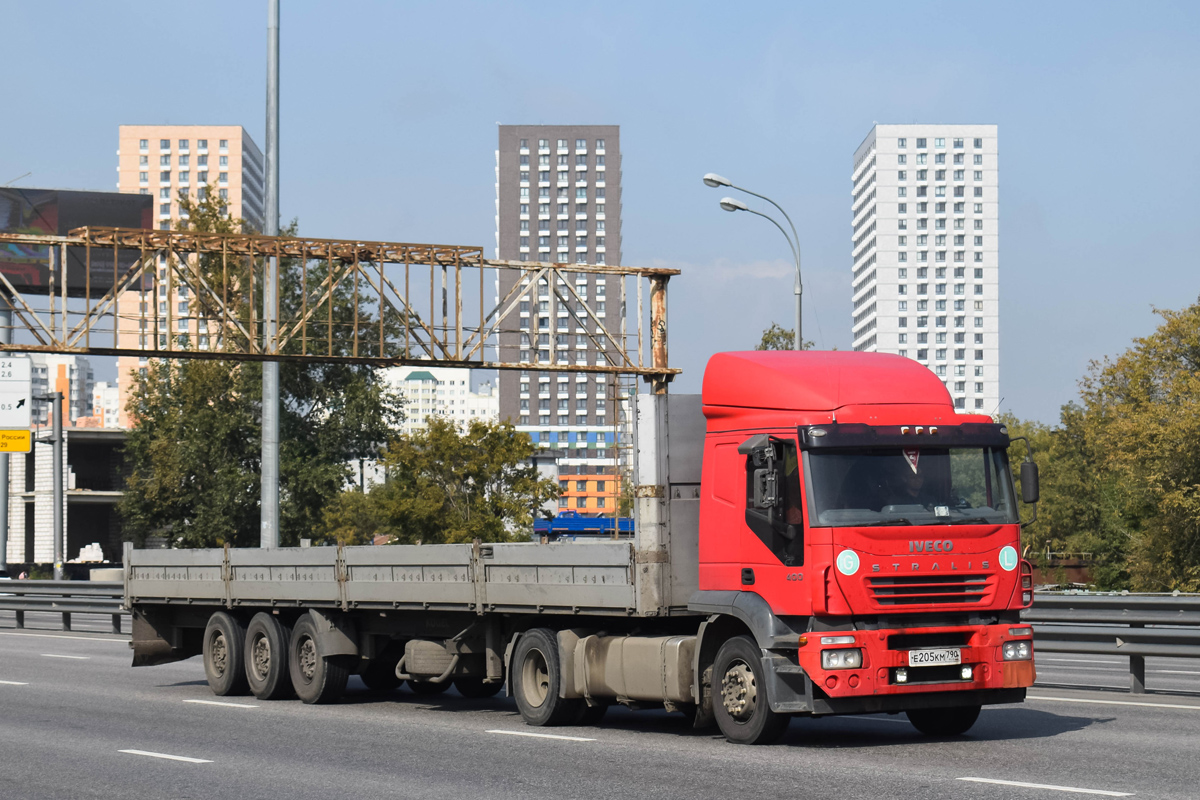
column 1018, row 651
column 841, row 659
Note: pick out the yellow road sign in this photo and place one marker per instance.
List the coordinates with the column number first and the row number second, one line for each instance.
column 15, row 442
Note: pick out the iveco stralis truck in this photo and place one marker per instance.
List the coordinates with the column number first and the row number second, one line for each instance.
column 817, row 533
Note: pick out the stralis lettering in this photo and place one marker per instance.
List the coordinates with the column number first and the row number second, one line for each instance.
column 931, row 546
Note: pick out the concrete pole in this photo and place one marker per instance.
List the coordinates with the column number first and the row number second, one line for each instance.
column 5, row 338
column 57, row 432
column 269, row 507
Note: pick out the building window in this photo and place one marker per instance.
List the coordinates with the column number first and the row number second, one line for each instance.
column 978, row 144
column 164, row 177
column 920, row 143
column 902, row 143
column 224, row 144
column 902, row 192
column 143, row 144
column 164, row 144
column 144, row 177
column 939, row 143
column 978, row 160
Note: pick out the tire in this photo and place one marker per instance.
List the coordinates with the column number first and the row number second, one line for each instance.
column 316, row 679
column 224, row 655
column 475, row 688
column 266, row 655
column 428, row 688
column 380, row 672
column 944, row 721
column 739, row 695
column 590, row 715
column 536, row 679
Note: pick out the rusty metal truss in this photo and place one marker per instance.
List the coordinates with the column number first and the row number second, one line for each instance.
column 179, row 294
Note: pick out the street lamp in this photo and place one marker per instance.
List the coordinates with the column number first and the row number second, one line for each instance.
column 714, row 180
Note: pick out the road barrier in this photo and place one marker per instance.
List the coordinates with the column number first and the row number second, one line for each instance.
column 1117, row 624
column 66, row 598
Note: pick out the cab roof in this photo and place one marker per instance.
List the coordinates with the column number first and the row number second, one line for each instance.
column 819, row 380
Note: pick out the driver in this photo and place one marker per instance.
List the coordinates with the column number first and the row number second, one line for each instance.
column 906, row 484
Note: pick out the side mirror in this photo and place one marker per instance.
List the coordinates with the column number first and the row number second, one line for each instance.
column 1029, row 482
column 766, row 488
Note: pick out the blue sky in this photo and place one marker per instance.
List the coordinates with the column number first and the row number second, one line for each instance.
column 389, row 114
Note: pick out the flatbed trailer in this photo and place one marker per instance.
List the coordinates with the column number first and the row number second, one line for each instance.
column 733, row 603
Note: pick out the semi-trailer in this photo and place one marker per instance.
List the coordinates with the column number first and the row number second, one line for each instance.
column 816, row 533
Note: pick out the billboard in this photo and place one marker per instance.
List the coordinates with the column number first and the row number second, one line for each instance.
column 56, row 212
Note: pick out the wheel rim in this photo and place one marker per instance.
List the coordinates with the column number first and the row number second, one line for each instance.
column 739, row 692
column 219, row 653
column 260, row 657
column 535, row 678
column 308, row 658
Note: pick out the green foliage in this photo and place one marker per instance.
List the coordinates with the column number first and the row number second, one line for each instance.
column 1120, row 473
column 194, row 453
column 448, row 485
column 778, row 337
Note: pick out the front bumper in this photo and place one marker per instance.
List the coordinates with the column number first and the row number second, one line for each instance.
column 800, row 685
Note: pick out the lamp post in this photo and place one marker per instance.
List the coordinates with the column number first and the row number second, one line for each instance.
column 730, row 204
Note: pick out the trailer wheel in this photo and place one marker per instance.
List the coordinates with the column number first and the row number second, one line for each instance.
column 427, row 687
column 740, row 697
column 316, row 678
column 475, row 688
column 224, row 661
column 536, row 677
column 944, row 721
column 267, row 658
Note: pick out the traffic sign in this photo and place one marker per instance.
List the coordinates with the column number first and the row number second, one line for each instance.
column 16, row 399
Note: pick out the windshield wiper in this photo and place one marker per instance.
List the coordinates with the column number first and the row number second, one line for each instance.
column 968, row 521
column 894, row 521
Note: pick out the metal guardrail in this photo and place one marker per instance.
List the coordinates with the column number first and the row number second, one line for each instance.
column 66, row 598
column 1130, row 625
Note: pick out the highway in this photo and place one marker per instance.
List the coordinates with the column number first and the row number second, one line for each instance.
column 78, row 722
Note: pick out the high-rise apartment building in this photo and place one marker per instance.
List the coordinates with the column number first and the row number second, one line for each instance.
column 925, row 243
column 441, row 391
column 558, row 199
column 168, row 162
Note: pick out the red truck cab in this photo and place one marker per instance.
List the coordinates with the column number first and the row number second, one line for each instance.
column 881, row 526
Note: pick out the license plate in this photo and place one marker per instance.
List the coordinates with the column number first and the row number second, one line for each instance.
column 933, row 658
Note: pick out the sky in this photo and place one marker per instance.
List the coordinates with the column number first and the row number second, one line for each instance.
column 389, row 113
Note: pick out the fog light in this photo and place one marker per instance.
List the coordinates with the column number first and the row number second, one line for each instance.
column 1026, row 598
column 841, row 659
column 1020, row 631
column 967, row 673
column 902, row 675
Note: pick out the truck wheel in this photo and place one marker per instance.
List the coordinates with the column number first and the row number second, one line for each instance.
column 428, row 687
column 316, row 678
column 536, row 678
column 740, row 696
column 591, row 715
column 224, row 661
column 380, row 672
column 475, row 688
column 267, row 657
column 944, row 721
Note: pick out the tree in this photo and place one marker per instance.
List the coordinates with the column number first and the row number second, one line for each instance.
column 778, row 337
column 448, row 485
column 194, row 451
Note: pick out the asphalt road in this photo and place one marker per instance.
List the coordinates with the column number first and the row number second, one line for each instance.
column 72, row 710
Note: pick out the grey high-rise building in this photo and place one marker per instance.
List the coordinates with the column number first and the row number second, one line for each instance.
column 558, row 199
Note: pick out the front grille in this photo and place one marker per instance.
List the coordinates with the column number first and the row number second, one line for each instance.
column 916, row 590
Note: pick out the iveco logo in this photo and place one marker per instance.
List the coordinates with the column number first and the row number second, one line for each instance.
column 931, row 546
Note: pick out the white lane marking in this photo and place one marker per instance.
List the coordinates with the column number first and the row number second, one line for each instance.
column 59, row 636
column 1109, row 702
column 1052, row 787
column 1078, row 660
column 57, row 655
column 14, row 683
column 1174, row 671
column 166, row 756
column 543, row 736
column 219, row 703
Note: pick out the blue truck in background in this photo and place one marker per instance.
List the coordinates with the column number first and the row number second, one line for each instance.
column 569, row 526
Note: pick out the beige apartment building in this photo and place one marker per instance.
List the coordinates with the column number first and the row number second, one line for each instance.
column 168, row 162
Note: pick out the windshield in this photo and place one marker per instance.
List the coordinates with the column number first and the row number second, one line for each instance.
column 910, row 486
